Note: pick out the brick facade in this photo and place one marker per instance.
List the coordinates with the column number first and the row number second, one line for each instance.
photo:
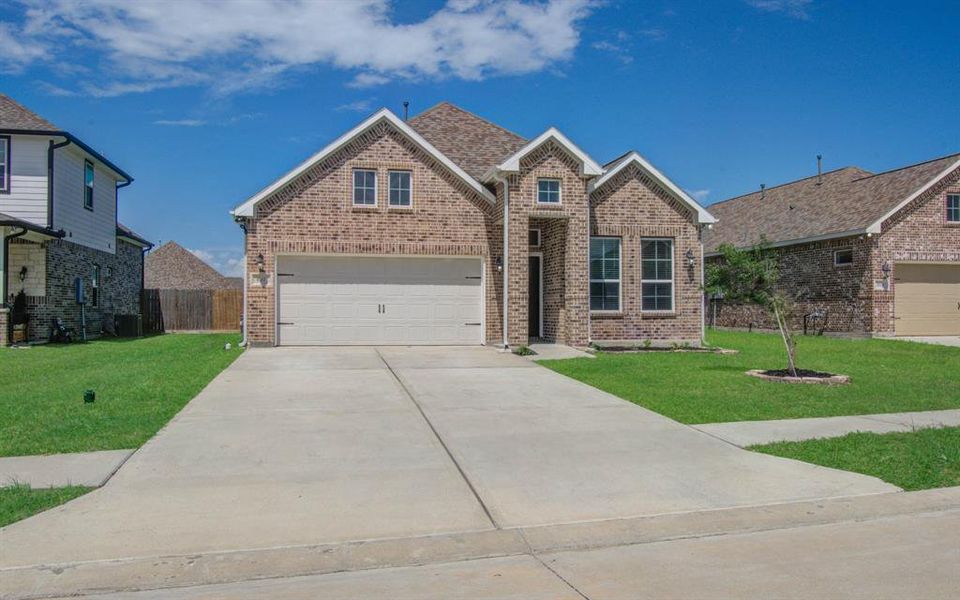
column 632, row 207
column 61, row 262
column 314, row 214
column 858, row 298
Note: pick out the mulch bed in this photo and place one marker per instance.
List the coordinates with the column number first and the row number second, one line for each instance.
column 803, row 376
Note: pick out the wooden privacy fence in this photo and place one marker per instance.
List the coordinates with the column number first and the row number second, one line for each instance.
column 191, row 310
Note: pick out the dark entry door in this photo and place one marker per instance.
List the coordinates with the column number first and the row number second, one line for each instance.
column 534, row 296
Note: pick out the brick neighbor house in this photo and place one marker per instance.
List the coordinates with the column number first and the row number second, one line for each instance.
column 873, row 253
column 448, row 229
column 58, row 225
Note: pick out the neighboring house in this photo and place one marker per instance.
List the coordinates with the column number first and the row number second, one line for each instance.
column 173, row 267
column 430, row 231
column 58, row 223
column 873, row 253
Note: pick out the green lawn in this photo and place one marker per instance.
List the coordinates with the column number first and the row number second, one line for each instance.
column 887, row 376
column 916, row 460
column 20, row 501
column 140, row 384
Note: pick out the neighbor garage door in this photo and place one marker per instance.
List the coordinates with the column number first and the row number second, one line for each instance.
column 356, row 301
column 927, row 299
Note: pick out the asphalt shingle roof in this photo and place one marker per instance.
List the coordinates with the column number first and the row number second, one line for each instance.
column 471, row 142
column 173, row 267
column 847, row 199
column 14, row 115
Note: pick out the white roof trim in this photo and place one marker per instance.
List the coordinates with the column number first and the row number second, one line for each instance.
column 804, row 240
column 878, row 224
column 247, row 208
column 703, row 216
column 512, row 165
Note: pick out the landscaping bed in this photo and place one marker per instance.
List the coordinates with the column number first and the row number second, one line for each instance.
column 140, row 384
column 915, row 460
column 885, row 376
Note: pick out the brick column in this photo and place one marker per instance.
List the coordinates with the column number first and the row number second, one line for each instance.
column 518, row 301
column 4, row 326
column 576, row 281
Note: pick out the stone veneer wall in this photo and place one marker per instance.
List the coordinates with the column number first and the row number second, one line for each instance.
column 632, row 207
column 119, row 291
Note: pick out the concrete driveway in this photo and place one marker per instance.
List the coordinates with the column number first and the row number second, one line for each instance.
column 297, row 446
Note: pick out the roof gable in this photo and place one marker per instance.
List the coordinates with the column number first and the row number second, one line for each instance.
column 14, row 115
column 247, row 208
column 468, row 140
column 588, row 166
column 634, row 158
column 848, row 201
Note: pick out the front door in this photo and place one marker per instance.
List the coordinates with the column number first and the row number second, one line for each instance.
column 535, row 309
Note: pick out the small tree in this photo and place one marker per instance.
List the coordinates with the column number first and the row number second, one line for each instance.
column 751, row 276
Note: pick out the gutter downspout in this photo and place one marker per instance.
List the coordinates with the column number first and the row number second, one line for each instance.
column 704, row 304
column 506, row 255
column 50, row 150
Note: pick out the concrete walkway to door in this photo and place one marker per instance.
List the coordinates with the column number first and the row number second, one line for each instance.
column 305, row 446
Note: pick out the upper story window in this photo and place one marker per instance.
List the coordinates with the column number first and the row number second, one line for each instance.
column 656, row 274
column 88, row 185
column 4, row 164
column 548, row 191
column 953, row 208
column 400, row 188
column 364, row 187
column 604, row 273
column 843, row 257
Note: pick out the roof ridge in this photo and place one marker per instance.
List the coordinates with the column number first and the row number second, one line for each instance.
column 474, row 115
column 33, row 114
column 919, row 164
column 619, row 158
column 780, row 185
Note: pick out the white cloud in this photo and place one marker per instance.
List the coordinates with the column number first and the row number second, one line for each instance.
column 227, row 261
column 798, row 9
column 152, row 44
column 181, row 122
column 698, row 195
column 356, row 106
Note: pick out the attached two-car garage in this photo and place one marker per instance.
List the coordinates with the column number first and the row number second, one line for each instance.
column 927, row 299
column 350, row 300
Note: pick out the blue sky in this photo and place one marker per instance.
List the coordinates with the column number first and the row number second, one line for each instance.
column 206, row 103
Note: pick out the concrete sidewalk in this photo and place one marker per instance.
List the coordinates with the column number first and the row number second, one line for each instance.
column 91, row 469
column 749, row 433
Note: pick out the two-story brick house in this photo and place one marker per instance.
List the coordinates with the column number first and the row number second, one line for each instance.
column 448, row 229
column 875, row 254
column 58, row 224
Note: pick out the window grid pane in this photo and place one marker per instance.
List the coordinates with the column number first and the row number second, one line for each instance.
column 548, row 191
column 605, row 274
column 656, row 275
column 953, row 208
column 3, row 163
column 364, row 187
column 88, row 184
column 399, row 188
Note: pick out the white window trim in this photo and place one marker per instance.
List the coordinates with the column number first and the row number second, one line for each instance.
column 7, row 171
column 389, row 189
column 838, row 251
column 353, row 188
column 607, row 311
column 671, row 281
column 539, row 237
column 946, row 209
column 559, row 191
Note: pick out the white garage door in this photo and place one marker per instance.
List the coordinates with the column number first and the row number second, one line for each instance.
column 358, row 301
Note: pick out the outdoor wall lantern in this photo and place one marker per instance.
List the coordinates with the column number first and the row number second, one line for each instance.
column 23, row 272
column 689, row 255
column 260, row 261
column 885, row 267
column 499, row 263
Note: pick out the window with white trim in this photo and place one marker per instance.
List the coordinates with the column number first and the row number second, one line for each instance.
column 656, row 274
column 533, row 238
column 548, row 191
column 88, row 179
column 843, row 257
column 364, row 187
column 4, row 164
column 400, row 188
column 953, row 208
column 604, row 273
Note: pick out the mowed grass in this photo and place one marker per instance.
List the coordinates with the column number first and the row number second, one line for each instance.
column 139, row 383
column 915, row 460
column 20, row 501
column 887, row 376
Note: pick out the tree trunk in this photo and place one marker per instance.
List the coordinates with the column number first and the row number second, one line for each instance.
column 787, row 339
